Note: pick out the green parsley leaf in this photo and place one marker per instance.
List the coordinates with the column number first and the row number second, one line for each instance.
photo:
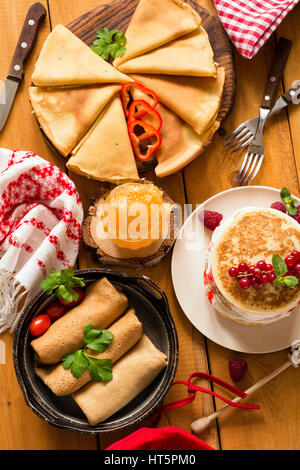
column 285, row 192
column 98, row 340
column 290, row 281
column 62, row 283
column 109, row 43
column 78, row 361
column 100, row 369
column 290, row 203
column 279, row 266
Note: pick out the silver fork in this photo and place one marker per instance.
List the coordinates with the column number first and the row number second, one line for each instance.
column 255, row 155
column 242, row 136
column 253, row 159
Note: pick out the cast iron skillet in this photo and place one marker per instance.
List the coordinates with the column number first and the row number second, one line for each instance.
column 152, row 308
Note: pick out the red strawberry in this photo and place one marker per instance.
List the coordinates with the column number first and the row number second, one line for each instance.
column 280, row 206
column 210, row 219
column 237, row 369
column 297, row 216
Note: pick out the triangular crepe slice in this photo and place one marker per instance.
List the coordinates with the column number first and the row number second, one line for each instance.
column 190, row 55
column 66, row 60
column 195, row 99
column 66, row 114
column 180, row 144
column 155, row 23
column 105, row 152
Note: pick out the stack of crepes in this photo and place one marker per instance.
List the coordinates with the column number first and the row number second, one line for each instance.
column 169, row 52
column 77, row 101
column 137, row 361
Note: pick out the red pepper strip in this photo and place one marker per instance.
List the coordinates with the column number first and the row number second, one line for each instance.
column 193, row 389
column 136, row 139
column 139, row 108
column 126, row 97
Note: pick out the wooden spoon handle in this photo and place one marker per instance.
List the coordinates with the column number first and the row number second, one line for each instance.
column 282, row 53
column 201, row 424
column 33, row 20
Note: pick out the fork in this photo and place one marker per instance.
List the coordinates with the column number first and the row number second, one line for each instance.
column 242, row 136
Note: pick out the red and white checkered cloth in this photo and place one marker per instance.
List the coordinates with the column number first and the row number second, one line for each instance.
column 250, row 23
column 40, row 227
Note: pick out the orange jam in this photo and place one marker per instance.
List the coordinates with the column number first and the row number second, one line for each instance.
column 137, row 215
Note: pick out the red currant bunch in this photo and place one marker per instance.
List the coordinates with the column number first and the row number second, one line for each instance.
column 262, row 272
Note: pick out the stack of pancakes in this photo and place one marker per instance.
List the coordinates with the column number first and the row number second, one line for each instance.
column 250, row 235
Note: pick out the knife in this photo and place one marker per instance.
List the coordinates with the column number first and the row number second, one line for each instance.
column 33, row 20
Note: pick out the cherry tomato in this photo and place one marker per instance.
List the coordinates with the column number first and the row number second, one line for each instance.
column 80, row 293
column 55, row 310
column 40, row 325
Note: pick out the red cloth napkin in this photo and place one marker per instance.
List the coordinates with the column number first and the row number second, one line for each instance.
column 168, row 438
column 249, row 24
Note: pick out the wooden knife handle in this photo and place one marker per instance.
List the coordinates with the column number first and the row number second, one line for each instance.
column 293, row 94
column 33, row 20
column 282, row 53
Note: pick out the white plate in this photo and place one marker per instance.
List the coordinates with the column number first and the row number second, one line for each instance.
column 187, row 276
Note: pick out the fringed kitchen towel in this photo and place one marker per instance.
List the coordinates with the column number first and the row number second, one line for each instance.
column 40, row 228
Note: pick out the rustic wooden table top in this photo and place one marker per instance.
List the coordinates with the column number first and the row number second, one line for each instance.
column 275, row 426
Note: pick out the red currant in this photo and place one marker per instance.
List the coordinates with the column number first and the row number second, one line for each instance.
column 261, row 265
column 233, row 272
column 250, row 269
column 269, row 267
column 244, row 283
column 289, row 261
column 264, row 278
column 296, row 255
column 272, row 276
column 243, row 267
column 297, row 268
column 256, row 273
column 256, row 282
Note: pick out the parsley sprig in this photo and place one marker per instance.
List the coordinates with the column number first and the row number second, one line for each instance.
column 280, row 269
column 109, row 43
column 79, row 361
column 62, row 283
column 290, row 203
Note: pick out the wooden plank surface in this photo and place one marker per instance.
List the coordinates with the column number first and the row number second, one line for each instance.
column 275, row 426
column 19, row 427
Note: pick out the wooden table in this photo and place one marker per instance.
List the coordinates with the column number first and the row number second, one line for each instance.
column 275, row 426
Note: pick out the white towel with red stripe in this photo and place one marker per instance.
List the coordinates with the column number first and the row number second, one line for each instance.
column 250, row 23
column 40, row 228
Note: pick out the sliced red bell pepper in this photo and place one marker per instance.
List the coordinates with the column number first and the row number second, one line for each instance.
column 127, row 99
column 140, row 108
column 141, row 134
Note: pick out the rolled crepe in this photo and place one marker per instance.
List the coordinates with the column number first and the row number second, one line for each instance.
column 127, row 332
column 131, row 375
column 102, row 305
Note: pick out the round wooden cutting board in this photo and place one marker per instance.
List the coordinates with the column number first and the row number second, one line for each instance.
column 117, row 15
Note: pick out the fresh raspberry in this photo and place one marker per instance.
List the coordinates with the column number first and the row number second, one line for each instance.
column 210, row 219
column 237, row 369
column 280, row 206
column 297, row 216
